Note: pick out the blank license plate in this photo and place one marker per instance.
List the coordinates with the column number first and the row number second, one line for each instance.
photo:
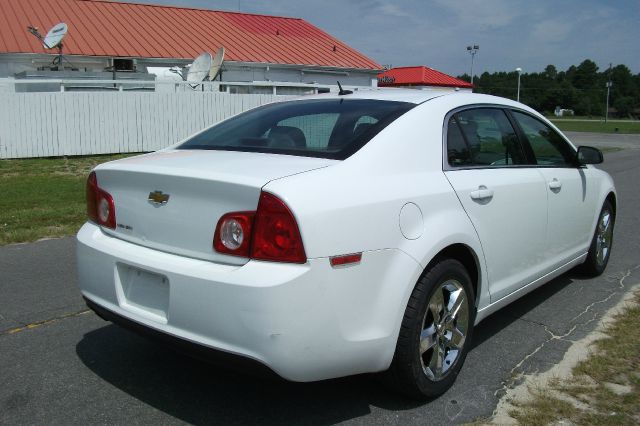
column 145, row 290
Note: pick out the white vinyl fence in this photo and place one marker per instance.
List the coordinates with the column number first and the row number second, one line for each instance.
column 84, row 123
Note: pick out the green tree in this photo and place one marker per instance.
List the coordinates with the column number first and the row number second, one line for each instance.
column 551, row 72
column 624, row 106
column 623, row 84
column 581, row 88
column 585, row 75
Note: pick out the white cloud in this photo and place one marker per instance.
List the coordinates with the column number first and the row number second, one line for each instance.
column 390, row 9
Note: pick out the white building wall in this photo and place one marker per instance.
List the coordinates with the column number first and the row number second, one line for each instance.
column 10, row 64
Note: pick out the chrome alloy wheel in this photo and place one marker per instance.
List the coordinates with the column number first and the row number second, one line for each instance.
column 604, row 235
column 444, row 329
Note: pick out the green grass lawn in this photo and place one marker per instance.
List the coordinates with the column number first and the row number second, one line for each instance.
column 577, row 125
column 44, row 197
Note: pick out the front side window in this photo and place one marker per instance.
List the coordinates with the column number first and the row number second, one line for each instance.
column 548, row 147
column 327, row 128
column 482, row 137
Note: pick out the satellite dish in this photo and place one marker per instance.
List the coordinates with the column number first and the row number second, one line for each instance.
column 199, row 69
column 54, row 36
column 216, row 65
column 52, row 39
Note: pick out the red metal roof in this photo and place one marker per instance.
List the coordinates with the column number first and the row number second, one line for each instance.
column 418, row 76
column 114, row 29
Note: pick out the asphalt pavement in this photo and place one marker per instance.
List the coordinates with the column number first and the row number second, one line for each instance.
column 60, row 364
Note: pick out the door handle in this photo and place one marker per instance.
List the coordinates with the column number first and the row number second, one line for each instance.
column 482, row 193
column 555, row 185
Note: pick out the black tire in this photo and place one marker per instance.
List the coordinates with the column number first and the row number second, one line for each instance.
column 595, row 262
column 409, row 373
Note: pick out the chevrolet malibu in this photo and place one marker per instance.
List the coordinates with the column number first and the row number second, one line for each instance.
column 344, row 233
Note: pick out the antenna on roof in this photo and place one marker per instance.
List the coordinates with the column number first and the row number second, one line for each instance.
column 199, row 70
column 177, row 70
column 342, row 91
column 52, row 40
column 34, row 30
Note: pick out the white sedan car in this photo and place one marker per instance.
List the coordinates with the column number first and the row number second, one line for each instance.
column 342, row 234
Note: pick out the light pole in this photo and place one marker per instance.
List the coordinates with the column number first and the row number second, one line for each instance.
column 519, row 71
column 472, row 50
column 608, row 84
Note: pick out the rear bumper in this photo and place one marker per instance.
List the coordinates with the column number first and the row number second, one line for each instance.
column 193, row 349
column 305, row 322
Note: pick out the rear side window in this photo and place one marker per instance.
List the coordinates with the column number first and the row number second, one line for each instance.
column 482, row 137
column 327, row 128
column 549, row 148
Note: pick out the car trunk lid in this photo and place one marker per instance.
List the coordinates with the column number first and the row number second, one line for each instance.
column 172, row 200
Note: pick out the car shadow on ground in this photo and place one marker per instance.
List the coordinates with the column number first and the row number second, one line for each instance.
column 201, row 393
column 498, row 321
column 198, row 392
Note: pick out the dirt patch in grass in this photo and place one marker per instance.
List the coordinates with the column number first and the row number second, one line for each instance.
column 44, row 197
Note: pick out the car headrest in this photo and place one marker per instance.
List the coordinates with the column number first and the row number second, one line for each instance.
column 288, row 135
column 360, row 129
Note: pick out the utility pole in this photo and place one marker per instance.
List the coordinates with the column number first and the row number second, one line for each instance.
column 519, row 71
column 473, row 50
column 609, row 84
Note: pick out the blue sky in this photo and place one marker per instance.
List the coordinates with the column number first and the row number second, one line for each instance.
column 511, row 33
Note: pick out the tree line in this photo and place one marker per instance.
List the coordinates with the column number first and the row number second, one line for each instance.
column 581, row 88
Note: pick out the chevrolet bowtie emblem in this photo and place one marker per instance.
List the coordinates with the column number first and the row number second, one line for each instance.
column 158, row 198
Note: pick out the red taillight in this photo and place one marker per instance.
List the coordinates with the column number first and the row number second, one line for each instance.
column 100, row 206
column 271, row 233
column 92, row 197
column 276, row 235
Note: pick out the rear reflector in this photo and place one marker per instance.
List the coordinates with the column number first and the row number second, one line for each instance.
column 345, row 259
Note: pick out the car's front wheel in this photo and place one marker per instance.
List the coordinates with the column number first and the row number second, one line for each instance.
column 436, row 332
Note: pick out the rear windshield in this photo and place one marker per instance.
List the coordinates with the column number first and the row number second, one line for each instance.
column 327, row 128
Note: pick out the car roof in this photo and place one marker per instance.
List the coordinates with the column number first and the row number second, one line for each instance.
column 386, row 94
column 419, row 96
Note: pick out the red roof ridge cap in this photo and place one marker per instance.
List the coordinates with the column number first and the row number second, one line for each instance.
column 408, row 66
column 166, row 6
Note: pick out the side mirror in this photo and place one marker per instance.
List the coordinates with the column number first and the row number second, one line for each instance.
column 589, row 155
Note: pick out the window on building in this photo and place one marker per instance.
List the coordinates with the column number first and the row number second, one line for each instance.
column 295, row 91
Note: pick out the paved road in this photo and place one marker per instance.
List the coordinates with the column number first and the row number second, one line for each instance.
column 62, row 365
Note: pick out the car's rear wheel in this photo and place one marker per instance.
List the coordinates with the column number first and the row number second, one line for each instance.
column 436, row 332
column 601, row 243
